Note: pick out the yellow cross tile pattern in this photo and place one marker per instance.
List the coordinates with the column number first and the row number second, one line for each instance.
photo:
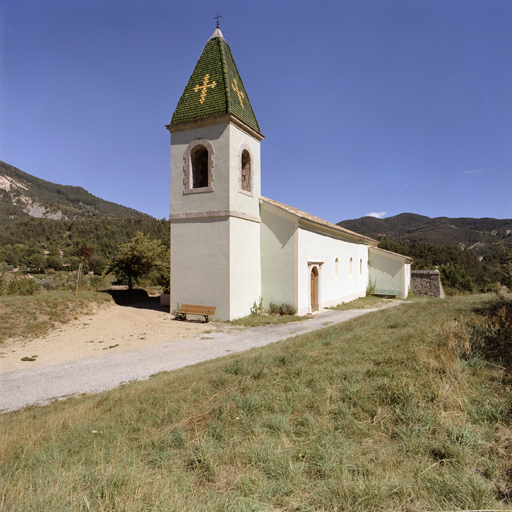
column 240, row 94
column 204, row 87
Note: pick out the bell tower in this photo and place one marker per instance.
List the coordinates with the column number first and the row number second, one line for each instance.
column 215, row 189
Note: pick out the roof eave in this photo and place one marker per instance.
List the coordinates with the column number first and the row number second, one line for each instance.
column 320, row 225
column 407, row 259
column 212, row 120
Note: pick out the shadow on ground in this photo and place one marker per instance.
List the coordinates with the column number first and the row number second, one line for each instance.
column 136, row 299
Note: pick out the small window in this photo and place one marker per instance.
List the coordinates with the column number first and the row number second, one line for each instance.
column 350, row 264
column 246, row 171
column 361, row 267
column 199, row 162
column 336, row 268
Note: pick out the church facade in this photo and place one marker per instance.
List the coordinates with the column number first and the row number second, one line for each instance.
column 229, row 245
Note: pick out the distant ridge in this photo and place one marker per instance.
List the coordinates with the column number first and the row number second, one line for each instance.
column 478, row 235
column 23, row 196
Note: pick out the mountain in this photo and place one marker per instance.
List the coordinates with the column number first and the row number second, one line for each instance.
column 23, row 196
column 479, row 235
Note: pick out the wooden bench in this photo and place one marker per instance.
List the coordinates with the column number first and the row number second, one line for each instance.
column 191, row 309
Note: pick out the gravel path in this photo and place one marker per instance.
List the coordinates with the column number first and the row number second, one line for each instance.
column 91, row 375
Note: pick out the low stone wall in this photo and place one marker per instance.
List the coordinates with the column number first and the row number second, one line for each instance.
column 427, row 282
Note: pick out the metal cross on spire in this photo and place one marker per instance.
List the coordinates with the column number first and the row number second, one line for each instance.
column 217, row 18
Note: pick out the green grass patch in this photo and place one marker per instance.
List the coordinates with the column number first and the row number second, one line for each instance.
column 259, row 320
column 31, row 316
column 370, row 301
column 389, row 411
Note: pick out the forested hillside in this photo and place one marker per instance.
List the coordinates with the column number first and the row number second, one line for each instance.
column 472, row 254
column 480, row 235
column 39, row 244
column 23, row 195
column 43, row 225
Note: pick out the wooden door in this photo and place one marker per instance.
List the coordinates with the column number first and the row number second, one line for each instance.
column 314, row 289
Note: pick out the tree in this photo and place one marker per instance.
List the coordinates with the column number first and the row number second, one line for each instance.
column 454, row 276
column 84, row 253
column 136, row 258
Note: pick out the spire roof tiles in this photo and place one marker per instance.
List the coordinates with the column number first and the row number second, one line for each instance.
column 215, row 87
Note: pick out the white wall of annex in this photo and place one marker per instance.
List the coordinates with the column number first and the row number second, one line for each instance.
column 407, row 271
column 389, row 274
column 278, row 258
column 200, row 263
column 245, row 267
column 349, row 285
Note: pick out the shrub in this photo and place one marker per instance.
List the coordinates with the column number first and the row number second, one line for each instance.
column 257, row 307
column 370, row 287
column 281, row 309
column 492, row 336
column 287, row 309
column 47, row 283
column 273, row 308
column 95, row 282
column 21, row 285
column 65, row 280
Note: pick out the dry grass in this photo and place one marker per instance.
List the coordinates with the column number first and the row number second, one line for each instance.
column 26, row 317
column 386, row 412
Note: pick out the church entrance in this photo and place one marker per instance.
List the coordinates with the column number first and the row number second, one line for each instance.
column 314, row 289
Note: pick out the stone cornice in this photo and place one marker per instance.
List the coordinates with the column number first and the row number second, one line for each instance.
column 210, row 121
column 213, row 213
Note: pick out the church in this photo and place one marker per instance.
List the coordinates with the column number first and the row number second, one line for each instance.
column 230, row 246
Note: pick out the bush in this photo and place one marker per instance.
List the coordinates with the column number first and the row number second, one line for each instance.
column 282, row 309
column 273, row 308
column 257, row 307
column 53, row 262
column 21, row 285
column 287, row 309
column 492, row 337
column 48, row 283
column 95, row 282
column 65, row 280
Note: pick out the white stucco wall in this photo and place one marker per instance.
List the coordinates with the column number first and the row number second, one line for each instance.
column 278, row 257
column 200, row 263
column 390, row 274
column 240, row 201
column 245, row 268
column 320, row 249
column 219, row 137
column 407, row 280
column 215, row 234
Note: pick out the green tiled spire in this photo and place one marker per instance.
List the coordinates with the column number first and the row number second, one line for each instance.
column 215, row 87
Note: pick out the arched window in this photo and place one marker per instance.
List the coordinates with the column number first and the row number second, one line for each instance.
column 336, row 268
column 245, row 170
column 199, row 167
column 199, row 162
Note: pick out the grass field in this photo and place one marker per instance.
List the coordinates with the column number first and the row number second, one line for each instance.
column 390, row 411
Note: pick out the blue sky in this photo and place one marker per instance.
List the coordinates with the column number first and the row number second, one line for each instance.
column 367, row 106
